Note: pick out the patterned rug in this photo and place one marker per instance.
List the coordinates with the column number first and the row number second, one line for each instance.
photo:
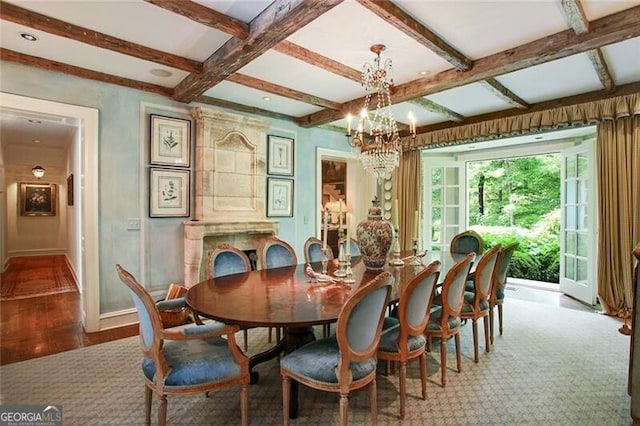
column 552, row 366
column 32, row 276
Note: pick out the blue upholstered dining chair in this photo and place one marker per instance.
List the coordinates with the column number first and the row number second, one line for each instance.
column 355, row 248
column 402, row 337
column 226, row 260
column 275, row 253
column 347, row 360
column 444, row 321
column 476, row 301
column 467, row 242
column 184, row 361
column 313, row 250
column 499, row 284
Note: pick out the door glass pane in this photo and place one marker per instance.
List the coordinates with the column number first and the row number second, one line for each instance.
column 570, row 242
column 436, row 235
column 569, row 267
column 582, row 244
column 452, row 195
column 570, row 190
column 581, row 275
column 436, row 177
column 436, row 215
column 582, row 217
column 570, row 165
column 582, row 164
column 451, row 215
column 570, row 217
column 451, row 176
column 436, row 197
column 583, row 190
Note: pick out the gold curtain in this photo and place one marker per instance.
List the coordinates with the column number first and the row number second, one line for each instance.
column 618, row 154
column 408, row 189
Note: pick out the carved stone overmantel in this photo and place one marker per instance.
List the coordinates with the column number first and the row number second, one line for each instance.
column 230, row 176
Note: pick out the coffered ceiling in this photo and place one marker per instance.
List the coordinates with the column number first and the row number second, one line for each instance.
column 300, row 60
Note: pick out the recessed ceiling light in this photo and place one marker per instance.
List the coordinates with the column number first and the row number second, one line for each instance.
column 28, row 37
column 160, row 72
column 266, row 98
column 423, row 72
column 35, row 140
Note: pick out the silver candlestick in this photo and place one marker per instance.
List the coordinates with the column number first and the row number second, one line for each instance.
column 395, row 252
column 348, row 272
column 342, row 264
column 415, row 260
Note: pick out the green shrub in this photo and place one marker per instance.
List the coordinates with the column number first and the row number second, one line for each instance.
column 538, row 254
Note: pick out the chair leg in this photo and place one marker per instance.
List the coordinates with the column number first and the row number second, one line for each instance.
column 403, row 388
column 491, row 323
column 147, row 404
column 286, row 387
column 443, row 361
column 423, row 374
column 500, row 318
column 487, row 346
column 244, row 405
column 458, row 353
column 246, row 339
column 270, row 334
column 162, row 410
column 373, row 400
column 344, row 409
column 475, row 339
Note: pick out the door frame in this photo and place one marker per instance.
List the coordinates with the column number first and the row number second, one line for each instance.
column 87, row 174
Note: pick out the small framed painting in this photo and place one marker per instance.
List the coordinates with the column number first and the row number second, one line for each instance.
column 170, row 141
column 279, row 156
column 279, row 197
column 38, row 199
column 169, row 192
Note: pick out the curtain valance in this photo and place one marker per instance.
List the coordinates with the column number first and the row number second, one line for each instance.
column 539, row 121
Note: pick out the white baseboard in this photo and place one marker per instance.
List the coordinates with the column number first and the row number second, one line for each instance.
column 118, row 319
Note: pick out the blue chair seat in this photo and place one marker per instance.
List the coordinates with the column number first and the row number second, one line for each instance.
column 434, row 321
column 319, row 361
column 468, row 301
column 195, row 362
column 389, row 337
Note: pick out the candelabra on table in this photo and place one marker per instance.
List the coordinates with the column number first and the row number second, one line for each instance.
column 395, row 250
column 342, row 262
column 415, row 260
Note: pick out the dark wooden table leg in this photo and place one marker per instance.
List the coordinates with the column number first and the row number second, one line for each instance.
column 297, row 337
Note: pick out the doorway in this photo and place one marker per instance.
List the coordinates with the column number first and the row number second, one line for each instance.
column 83, row 244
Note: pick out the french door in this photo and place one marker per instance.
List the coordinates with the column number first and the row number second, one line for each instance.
column 444, row 203
column 578, row 241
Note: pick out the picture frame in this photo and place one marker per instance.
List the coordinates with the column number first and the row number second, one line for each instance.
column 169, row 192
column 70, row 190
column 279, row 197
column 38, row 199
column 279, row 156
column 170, row 141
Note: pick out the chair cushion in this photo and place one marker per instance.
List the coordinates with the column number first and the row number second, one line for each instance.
column 468, row 303
column 469, row 286
column 434, row 321
column 389, row 337
column 319, row 361
column 195, row 362
column 500, row 294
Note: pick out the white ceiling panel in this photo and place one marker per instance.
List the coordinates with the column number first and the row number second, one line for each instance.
column 243, row 10
column 247, row 96
column 484, row 101
column 564, row 77
column 600, row 8
column 289, row 72
column 482, row 28
column 422, row 116
column 623, row 60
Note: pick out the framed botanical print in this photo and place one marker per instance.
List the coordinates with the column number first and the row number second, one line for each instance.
column 170, row 141
column 169, row 192
column 279, row 197
column 279, row 156
column 38, row 199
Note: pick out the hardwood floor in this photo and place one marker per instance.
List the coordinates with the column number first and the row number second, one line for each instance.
column 45, row 325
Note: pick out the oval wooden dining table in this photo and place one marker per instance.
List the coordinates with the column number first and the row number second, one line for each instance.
column 287, row 297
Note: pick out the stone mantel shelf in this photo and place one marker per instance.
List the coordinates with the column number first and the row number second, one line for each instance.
column 195, row 229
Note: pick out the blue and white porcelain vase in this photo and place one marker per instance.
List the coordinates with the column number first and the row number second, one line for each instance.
column 375, row 237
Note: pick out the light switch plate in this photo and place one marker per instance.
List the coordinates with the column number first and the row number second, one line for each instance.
column 133, row 224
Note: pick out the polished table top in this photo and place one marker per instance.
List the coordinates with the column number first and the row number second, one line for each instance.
column 287, row 297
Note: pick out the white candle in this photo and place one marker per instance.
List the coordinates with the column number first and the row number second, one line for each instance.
column 340, row 214
column 395, row 214
column 415, row 225
column 348, row 236
column 325, row 227
column 349, row 124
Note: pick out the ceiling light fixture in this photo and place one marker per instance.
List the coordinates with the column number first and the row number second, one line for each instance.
column 28, row 37
column 266, row 98
column 376, row 137
column 160, row 72
column 38, row 171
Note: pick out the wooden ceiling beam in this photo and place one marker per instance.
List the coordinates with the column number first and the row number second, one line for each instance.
column 47, row 64
column 18, row 15
column 498, row 89
column 604, row 31
column 429, row 105
column 315, row 59
column 286, row 92
column 205, row 16
column 414, row 29
column 577, row 18
column 274, row 24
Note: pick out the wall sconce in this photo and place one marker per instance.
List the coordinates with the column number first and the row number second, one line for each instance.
column 38, row 171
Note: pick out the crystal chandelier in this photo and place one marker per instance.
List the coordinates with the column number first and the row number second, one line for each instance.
column 376, row 137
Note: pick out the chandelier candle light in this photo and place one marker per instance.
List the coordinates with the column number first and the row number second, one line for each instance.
column 376, row 136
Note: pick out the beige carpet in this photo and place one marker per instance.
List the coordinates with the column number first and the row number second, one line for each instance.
column 553, row 366
column 31, row 276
